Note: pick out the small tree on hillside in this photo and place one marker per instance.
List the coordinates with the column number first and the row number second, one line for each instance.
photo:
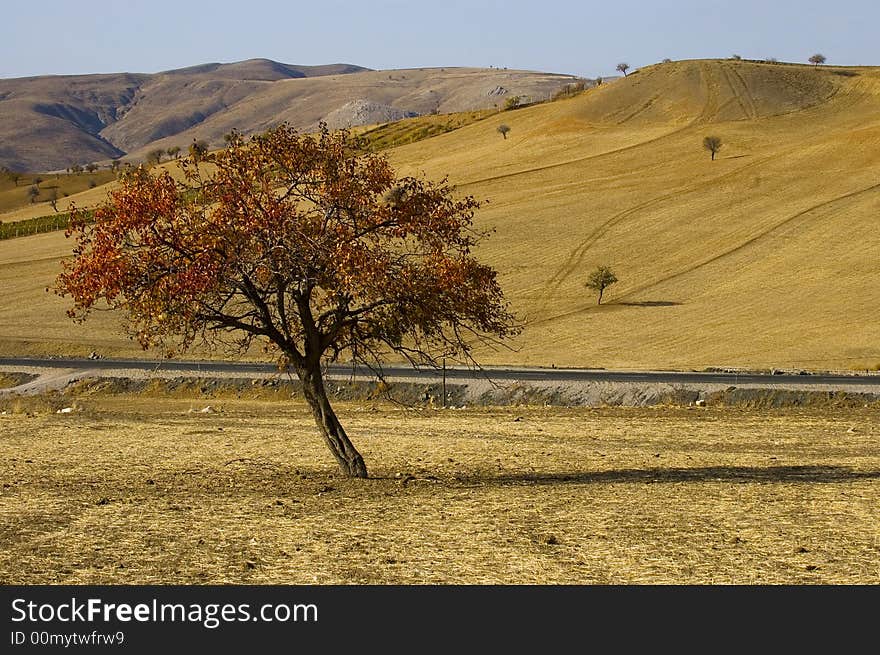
column 503, row 130
column 76, row 169
column 817, row 59
column 712, row 144
column 91, row 168
column 512, row 103
column 32, row 192
column 600, row 279
column 155, row 156
column 53, row 198
column 11, row 175
column 304, row 244
column 173, row 152
column 623, row 67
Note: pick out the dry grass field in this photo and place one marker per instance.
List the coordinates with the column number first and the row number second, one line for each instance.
column 147, row 490
column 765, row 257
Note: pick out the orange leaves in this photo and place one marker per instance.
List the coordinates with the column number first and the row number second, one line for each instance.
column 301, row 240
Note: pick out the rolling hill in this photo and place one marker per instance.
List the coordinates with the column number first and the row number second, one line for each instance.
column 765, row 257
column 53, row 122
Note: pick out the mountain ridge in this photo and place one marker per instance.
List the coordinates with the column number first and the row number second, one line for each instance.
column 53, row 122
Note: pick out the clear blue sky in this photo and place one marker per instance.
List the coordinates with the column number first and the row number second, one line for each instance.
column 583, row 38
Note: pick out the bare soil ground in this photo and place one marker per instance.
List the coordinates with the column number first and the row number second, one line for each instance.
column 129, row 489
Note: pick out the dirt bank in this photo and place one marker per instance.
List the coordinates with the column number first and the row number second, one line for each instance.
column 479, row 393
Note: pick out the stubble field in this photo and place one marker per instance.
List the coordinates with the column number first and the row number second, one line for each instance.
column 151, row 490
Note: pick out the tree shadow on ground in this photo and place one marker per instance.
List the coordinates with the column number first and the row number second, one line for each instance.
column 650, row 303
column 736, row 474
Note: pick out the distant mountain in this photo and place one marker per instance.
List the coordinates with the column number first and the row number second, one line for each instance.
column 52, row 122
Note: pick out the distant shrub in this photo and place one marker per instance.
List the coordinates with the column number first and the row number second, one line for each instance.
column 512, row 103
column 155, row 156
column 503, row 130
column 712, row 144
column 572, row 89
column 735, row 57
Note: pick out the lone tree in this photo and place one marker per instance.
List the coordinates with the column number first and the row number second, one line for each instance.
column 11, row 175
column 155, row 156
column 817, row 59
column 623, row 67
column 712, row 144
column 32, row 192
column 503, row 130
column 600, row 279
column 309, row 245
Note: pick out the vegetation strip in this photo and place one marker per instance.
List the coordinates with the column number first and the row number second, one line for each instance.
column 37, row 225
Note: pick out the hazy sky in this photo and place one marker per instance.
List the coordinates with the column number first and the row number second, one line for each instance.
column 583, row 38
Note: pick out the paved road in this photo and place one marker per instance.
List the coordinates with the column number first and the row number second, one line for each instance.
column 495, row 373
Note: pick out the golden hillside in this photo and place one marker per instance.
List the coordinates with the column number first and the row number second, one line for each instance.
column 767, row 256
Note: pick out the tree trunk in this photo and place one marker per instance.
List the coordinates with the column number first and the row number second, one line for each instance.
column 601, row 291
column 349, row 459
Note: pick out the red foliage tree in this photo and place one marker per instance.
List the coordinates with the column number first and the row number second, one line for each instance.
column 306, row 243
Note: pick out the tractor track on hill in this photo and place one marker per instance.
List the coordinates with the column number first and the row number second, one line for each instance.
column 754, row 239
column 644, row 107
column 569, row 162
column 576, row 257
column 740, row 93
column 711, row 99
column 749, row 242
column 752, row 112
column 710, row 92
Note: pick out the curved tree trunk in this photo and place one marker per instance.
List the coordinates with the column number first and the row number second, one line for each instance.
column 349, row 459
